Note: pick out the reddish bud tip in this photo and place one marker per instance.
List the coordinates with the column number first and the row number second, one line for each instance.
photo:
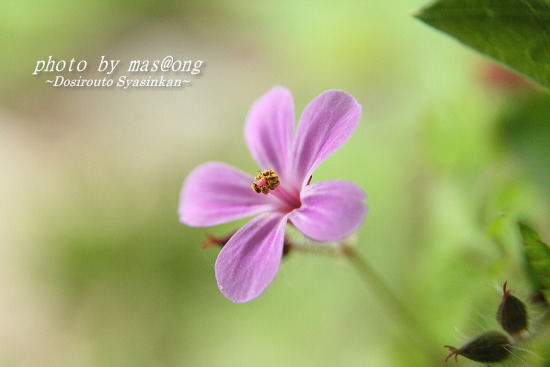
column 505, row 293
column 454, row 352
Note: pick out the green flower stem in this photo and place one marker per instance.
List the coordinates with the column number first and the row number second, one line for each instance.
column 419, row 333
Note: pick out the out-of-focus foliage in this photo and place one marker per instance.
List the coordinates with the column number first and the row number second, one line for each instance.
column 537, row 255
column 524, row 129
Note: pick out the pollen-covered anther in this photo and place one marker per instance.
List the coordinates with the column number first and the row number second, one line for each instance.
column 265, row 181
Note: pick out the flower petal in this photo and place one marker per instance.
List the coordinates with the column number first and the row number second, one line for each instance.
column 330, row 211
column 326, row 124
column 215, row 193
column 269, row 127
column 248, row 263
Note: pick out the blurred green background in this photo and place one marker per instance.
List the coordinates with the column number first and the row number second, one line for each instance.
column 95, row 268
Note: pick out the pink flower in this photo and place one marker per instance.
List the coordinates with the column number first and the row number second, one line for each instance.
column 215, row 192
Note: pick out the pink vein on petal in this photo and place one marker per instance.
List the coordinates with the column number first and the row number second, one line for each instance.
column 269, row 128
column 331, row 210
column 248, row 263
column 326, row 124
column 215, row 193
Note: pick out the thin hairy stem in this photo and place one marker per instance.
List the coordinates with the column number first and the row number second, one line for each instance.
column 419, row 333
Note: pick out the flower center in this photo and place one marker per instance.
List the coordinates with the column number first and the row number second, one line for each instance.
column 265, row 181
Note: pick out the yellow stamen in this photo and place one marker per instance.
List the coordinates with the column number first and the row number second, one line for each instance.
column 265, row 181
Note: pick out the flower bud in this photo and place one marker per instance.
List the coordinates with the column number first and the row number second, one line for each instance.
column 512, row 313
column 492, row 346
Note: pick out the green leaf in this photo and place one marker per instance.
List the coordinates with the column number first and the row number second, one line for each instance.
column 513, row 32
column 537, row 254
